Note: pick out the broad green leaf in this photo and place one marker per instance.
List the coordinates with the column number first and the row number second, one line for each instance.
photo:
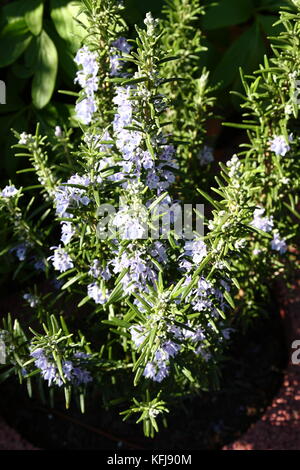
column 64, row 17
column 13, row 11
column 14, row 39
column 267, row 22
column 34, row 16
column 273, row 4
column 65, row 54
column 227, row 13
column 21, row 71
column 245, row 52
column 31, row 54
column 46, row 70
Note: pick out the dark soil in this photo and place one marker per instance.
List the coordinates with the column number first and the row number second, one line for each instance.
column 251, row 378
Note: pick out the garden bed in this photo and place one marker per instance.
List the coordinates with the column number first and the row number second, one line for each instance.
column 252, row 376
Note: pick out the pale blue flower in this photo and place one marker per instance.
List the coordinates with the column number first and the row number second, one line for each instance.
column 21, row 251
column 67, row 232
column 81, row 376
column 9, row 191
column 279, row 145
column 196, row 249
column 137, row 335
column 61, row 260
column 206, row 155
column 170, row 348
column 260, row 222
column 279, row 244
column 122, row 44
column 67, row 197
column 95, row 292
column 88, row 80
column 162, row 372
column 115, row 65
column 85, row 109
column 150, row 371
column 33, row 300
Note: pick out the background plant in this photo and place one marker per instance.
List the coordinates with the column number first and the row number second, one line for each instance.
column 38, row 42
column 191, row 95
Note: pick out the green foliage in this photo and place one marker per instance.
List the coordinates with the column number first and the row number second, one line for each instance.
column 237, row 36
column 43, row 83
column 149, row 340
column 38, row 42
column 188, row 88
column 227, row 13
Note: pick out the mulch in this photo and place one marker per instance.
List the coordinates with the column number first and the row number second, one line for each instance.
column 279, row 427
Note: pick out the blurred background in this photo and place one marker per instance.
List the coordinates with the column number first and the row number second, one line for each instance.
column 37, row 46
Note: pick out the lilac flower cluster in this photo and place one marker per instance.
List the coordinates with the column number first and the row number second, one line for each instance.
column 138, row 169
column 266, row 224
column 196, row 249
column 61, row 260
column 33, row 300
column 97, row 293
column 160, row 177
column 278, row 244
column 70, row 196
column 9, row 191
column 88, row 80
column 119, row 47
column 140, row 270
column 206, row 155
column 128, row 142
column 260, row 222
column 204, row 295
column 279, row 145
column 158, row 369
column 67, row 232
column 131, row 223
column 20, row 250
column 159, row 252
column 49, row 371
column 66, row 197
column 97, row 271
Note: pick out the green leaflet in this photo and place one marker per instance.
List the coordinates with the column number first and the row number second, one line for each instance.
column 34, row 16
column 14, row 39
column 46, row 70
column 227, row 13
column 245, row 52
column 64, row 16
